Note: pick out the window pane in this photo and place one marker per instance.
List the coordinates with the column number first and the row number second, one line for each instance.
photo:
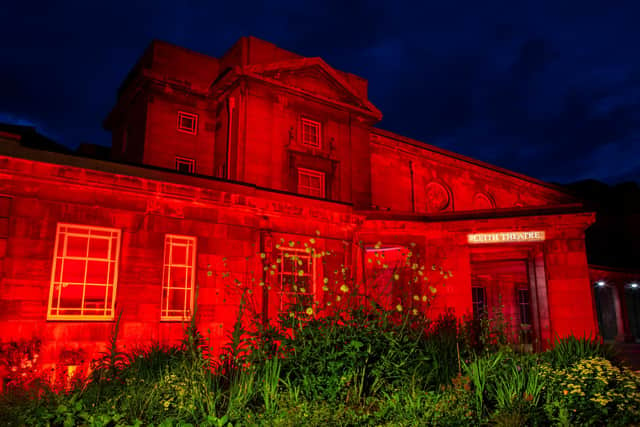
column 99, row 248
column 97, row 272
column 73, row 271
column 77, row 246
column 178, row 277
column 71, row 296
column 177, row 300
column 94, row 297
column 179, row 254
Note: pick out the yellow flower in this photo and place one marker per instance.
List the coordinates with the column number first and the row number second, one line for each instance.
column 424, row 298
column 399, row 307
column 415, row 312
column 338, row 297
column 344, row 288
column 416, row 297
column 309, row 311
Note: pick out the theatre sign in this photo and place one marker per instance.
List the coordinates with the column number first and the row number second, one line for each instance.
column 506, row 237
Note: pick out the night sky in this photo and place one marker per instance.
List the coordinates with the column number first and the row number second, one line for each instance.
column 549, row 89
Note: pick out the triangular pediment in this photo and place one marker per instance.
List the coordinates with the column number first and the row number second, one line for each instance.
column 314, row 80
column 313, row 76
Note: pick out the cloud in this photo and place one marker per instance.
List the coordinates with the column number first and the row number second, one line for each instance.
column 536, row 87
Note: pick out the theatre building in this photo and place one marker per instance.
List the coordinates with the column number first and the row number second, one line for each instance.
column 223, row 169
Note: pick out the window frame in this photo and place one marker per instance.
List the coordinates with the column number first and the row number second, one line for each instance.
column 318, row 127
column 313, row 174
column 479, row 307
column 280, row 273
column 185, row 160
column 193, row 130
column 114, row 244
column 187, row 311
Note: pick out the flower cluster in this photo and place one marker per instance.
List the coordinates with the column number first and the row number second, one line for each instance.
column 592, row 389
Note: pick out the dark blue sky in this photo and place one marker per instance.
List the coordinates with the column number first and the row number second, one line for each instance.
column 550, row 89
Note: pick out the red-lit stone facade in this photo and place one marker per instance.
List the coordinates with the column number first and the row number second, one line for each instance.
column 216, row 161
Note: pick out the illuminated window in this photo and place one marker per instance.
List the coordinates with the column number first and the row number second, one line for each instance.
column 479, row 301
column 311, row 133
column 296, row 277
column 178, row 277
column 311, row 183
column 187, row 122
column 84, row 273
column 185, row 165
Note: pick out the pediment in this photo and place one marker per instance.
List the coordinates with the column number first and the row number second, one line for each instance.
column 314, row 80
column 315, row 77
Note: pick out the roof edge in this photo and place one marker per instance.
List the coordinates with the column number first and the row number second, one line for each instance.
column 424, row 146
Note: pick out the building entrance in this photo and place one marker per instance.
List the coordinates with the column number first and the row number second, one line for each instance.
column 502, row 288
column 606, row 311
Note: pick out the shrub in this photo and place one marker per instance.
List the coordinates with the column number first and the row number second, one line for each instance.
column 568, row 350
column 591, row 392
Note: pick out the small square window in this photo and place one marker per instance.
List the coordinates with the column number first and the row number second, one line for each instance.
column 185, row 165
column 311, row 183
column 311, row 133
column 187, row 122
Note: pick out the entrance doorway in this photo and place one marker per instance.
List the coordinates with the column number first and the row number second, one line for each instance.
column 632, row 299
column 606, row 311
column 502, row 288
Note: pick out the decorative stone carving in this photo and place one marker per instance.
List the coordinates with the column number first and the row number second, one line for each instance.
column 483, row 201
column 438, row 197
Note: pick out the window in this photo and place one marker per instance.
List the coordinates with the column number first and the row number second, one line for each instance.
column 178, row 277
column 524, row 305
column 84, row 273
column 479, row 301
column 187, row 122
column 311, row 183
column 311, row 133
column 388, row 277
column 296, row 277
column 185, row 165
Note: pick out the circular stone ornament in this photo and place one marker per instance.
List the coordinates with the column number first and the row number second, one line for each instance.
column 438, row 197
